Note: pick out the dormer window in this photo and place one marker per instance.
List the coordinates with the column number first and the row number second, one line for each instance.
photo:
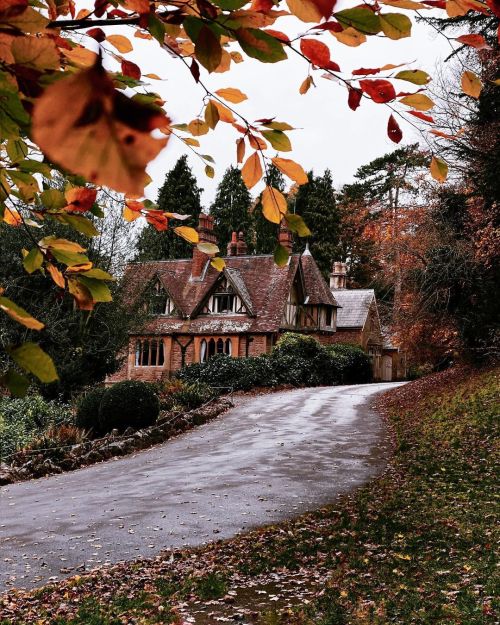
column 224, row 301
column 159, row 302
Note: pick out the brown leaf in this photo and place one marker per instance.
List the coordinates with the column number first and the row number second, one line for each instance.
column 251, row 172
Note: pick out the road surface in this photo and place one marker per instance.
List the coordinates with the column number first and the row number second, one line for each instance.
column 269, row 458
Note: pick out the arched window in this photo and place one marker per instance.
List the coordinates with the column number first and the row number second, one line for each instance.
column 203, row 351
column 228, row 347
column 149, row 353
column 211, row 348
column 220, row 346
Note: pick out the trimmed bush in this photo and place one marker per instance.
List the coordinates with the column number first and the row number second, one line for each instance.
column 128, row 404
column 302, row 361
column 87, row 409
column 351, row 362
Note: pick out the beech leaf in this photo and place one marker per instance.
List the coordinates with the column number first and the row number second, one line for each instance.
column 273, row 204
column 32, row 358
column 251, row 172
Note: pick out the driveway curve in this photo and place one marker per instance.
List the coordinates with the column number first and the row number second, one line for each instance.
column 269, row 458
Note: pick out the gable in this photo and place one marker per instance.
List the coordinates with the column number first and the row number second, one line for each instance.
column 225, row 297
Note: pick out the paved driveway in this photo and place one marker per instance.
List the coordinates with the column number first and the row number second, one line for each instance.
column 269, row 458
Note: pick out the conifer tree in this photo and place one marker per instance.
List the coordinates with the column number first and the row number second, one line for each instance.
column 315, row 202
column 265, row 232
column 231, row 209
column 179, row 194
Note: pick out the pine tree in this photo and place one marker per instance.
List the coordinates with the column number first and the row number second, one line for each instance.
column 315, row 202
column 179, row 194
column 231, row 209
column 266, row 233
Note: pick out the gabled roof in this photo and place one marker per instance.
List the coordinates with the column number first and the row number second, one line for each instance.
column 263, row 286
column 355, row 307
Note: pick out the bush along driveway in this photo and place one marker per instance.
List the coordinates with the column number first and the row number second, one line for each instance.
column 415, row 546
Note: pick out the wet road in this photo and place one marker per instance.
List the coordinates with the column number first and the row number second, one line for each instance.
column 269, row 458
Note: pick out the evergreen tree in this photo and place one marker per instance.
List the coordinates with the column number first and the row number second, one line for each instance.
column 179, row 194
column 231, row 209
column 265, row 232
column 315, row 202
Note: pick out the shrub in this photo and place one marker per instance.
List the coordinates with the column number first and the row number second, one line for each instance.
column 187, row 395
column 87, row 409
column 302, row 361
column 55, row 438
column 23, row 420
column 128, row 404
column 351, row 362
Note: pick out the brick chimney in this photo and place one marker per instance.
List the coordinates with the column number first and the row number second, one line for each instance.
column 285, row 238
column 232, row 246
column 241, row 246
column 206, row 235
column 338, row 276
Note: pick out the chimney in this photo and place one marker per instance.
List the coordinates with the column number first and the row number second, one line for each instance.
column 241, row 246
column 285, row 238
column 338, row 276
column 206, row 235
column 232, row 246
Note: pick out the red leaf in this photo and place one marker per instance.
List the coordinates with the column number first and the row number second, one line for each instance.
column 393, row 130
column 439, row 4
column 131, row 69
column 80, row 199
column 318, row 53
column 333, row 26
column 335, row 67
column 354, row 98
column 97, row 33
column 475, row 41
column 262, row 5
column 157, row 219
column 420, row 115
column 364, row 71
column 117, row 13
column 195, row 70
column 325, row 7
column 380, row 91
column 100, row 7
column 277, row 34
column 494, row 6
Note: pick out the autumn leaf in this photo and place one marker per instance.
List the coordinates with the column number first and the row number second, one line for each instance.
column 304, row 87
column 418, row 101
column 318, row 53
column 296, row 224
column 56, row 275
column 393, row 130
column 438, row 169
column 33, row 260
column 130, row 69
column 395, row 25
column 19, row 314
column 273, row 204
column 354, row 98
column 471, row 84
column 32, row 358
column 475, row 41
column 232, row 95
column 311, row 10
column 278, row 140
column 291, row 169
column 212, row 114
column 422, row 116
column 39, row 54
column 350, row 37
column 281, row 255
column 415, row 76
column 225, row 115
column 208, row 49
column 218, row 263
column 82, row 123
column 120, row 42
column 251, row 172
column 157, row 219
column 187, row 233
column 259, row 45
column 362, row 19
column 12, row 217
column 378, row 90
column 80, row 199
column 208, row 248
column 240, row 150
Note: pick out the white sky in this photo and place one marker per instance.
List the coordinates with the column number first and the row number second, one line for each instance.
column 329, row 134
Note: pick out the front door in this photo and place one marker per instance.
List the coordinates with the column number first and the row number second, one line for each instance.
column 387, row 368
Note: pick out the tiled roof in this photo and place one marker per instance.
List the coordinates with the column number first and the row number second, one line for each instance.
column 263, row 286
column 355, row 306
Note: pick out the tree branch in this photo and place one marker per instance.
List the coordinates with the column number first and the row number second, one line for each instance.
column 86, row 23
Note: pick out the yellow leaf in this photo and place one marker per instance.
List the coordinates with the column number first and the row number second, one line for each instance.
column 218, row 263
column 209, row 171
column 153, row 76
column 418, row 101
column 439, row 169
column 395, row 25
column 232, row 95
column 305, row 10
column 208, row 248
column 32, row 358
column 350, row 37
column 12, row 217
column 212, row 114
column 56, row 275
column 273, row 204
column 225, row 115
column 291, row 169
column 80, row 57
column 225, row 63
column 121, row 43
column 405, row 4
column 51, row 242
column 19, row 314
column 130, row 215
column 251, row 172
column 471, row 85
column 84, row 124
column 198, row 127
column 187, row 233
column 190, row 141
column 304, row 87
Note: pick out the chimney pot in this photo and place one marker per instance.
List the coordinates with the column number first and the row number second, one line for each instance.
column 285, row 238
column 338, row 275
column 241, row 246
column 232, row 246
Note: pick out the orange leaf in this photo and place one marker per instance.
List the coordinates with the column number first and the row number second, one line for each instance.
column 240, row 150
column 11, row 217
column 273, row 204
column 232, row 95
column 80, row 199
column 257, row 143
column 350, row 37
column 304, row 87
column 291, row 169
column 157, row 219
column 251, row 172
column 84, row 124
column 439, row 169
column 81, row 294
column 56, row 275
column 318, row 53
column 471, row 85
column 121, row 43
column 225, row 115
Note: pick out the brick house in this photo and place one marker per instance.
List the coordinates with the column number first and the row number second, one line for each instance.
column 358, row 323
column 197, row 312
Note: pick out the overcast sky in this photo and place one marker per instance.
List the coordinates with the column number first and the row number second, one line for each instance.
column 328, row 135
